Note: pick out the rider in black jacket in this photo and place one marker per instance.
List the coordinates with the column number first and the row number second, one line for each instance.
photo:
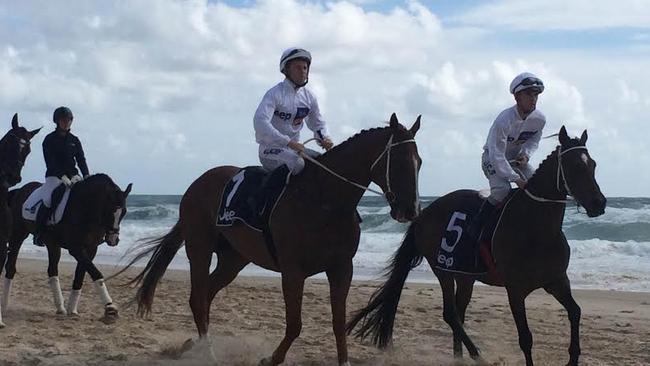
column 63, row 152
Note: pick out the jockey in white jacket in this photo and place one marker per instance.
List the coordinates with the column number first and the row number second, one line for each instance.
column 513, row 138
column 284, row 110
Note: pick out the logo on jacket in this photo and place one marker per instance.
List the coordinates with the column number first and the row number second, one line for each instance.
column 300, row 115
column 282, row 115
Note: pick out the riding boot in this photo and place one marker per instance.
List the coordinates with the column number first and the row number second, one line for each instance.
column 271, row 188
column 42, row 215
column 476, row 225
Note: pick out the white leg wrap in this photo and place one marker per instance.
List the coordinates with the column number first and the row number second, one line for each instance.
column 73, row 301
column 55, row 286
column 103, row 292
column 2, row 325
column 6, row 292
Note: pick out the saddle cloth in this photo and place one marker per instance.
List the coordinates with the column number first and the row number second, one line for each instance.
column 34, row 202
column 244, row 200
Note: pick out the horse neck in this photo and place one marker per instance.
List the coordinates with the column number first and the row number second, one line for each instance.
column 352, row 160
column 88, row 199
column 543, row 184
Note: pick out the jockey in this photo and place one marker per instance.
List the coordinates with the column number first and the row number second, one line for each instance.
column 281, row 113
column 513, row 138
column 62, row 151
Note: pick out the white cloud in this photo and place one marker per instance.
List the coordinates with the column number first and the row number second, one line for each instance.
column 171, row 86
column 559, row 14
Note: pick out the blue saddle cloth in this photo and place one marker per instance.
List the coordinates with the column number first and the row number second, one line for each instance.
column 244, row 199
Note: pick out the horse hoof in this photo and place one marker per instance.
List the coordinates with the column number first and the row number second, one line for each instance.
column 268, row 361
column 189, row 343
column 60, row 312
column 480, row 361
column 73, row 314
column 2, row 325
column 346, row 363
column 110, row 315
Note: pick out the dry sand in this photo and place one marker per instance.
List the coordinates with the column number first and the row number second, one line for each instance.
column 248, row 321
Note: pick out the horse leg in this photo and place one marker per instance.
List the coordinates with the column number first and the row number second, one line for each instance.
column 292, row 290
column 339, row 278
column 77, row 284
column 561, row 290
column 10, row 266
column 516, row 298
column 229, row 263
column 82, row 257
column 450, row 313
column 54, row 256
column 5, row 290
column 75, row 293
column 464, row 288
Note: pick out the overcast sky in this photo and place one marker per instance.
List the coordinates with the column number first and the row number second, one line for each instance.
column 163, row 90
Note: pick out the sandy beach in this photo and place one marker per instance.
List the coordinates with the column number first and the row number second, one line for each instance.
column 247, row 322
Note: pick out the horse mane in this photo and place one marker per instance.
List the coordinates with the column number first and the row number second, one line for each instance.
column 348, row 142
column 552, row 157
column 95, row 180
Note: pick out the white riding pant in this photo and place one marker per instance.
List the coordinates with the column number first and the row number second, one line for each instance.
column 273, row 157
column 500, row 187
column 47, row 188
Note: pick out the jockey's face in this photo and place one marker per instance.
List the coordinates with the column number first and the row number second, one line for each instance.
column 64, row 123
column 526, row 101
column 297, row 71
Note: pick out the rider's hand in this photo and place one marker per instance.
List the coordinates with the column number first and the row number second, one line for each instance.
column 65, row 180
column 296, row 146
column 76, row 178
column 325, row 143
column 522, row 160
column 520, row 183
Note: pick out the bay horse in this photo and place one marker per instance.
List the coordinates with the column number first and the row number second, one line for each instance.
column 14, row 148
column 95, row 209
column 529, row 248
column 315, row 228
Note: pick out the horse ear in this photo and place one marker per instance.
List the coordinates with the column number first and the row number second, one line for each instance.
column 564, row 138
column 14, row 121
column 583, row 138
column 34, row 132
column 416, row 126
column 128, row 190
column 393, row 121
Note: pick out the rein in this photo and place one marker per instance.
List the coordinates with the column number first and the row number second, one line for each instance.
column 390, row 196
column 560, row 172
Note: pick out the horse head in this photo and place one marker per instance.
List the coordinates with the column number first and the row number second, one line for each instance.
column 577, row 169
column 106, row 202
column 396, row 171
column 14, row 148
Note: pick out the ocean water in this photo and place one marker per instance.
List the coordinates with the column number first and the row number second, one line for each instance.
column 608, row 252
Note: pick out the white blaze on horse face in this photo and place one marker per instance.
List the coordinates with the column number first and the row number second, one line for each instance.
column 22, row 143
column 585, row 158
column 417, row 193
column 116, row 218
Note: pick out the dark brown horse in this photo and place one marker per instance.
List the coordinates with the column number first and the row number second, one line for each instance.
column 528, row 244
column 92, row 216
column 14, row 148
column 315, row 229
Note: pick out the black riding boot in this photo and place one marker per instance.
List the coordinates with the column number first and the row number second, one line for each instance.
column 42, row 215
column 476, row 225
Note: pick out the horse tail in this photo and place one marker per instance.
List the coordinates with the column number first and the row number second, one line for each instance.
column 162, row 250
column 378, row 317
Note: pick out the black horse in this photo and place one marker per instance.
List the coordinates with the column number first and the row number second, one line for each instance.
column 14, row 148
column 528, row 245
column 92, row 216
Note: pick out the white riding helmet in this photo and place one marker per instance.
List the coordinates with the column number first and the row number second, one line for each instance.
column 292, row 54
column 524, row 81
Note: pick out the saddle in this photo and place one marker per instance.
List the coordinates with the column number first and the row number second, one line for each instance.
column 59, row 201
column 459, row 253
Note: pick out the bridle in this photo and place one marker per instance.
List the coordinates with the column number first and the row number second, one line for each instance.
column 560, row 173
column 390, row 196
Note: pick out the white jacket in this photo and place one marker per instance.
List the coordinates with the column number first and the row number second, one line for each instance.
column 281, row 113
column 510, row 137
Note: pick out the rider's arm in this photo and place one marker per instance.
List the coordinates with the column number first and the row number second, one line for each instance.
column 265, row 133
column 80, row 157
column 497, row 140
column 315, row 120
column 537, row 122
